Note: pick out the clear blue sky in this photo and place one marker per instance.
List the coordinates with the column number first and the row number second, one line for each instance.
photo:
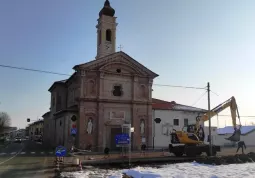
column 186, row 42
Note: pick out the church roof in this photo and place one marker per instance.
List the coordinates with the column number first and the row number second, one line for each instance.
column 166, row 105
column 112, row 57
column 61, row 82
column 107, row 10
column 162, row 105
column 73, row 108
column 188, row 108
column 46, row 114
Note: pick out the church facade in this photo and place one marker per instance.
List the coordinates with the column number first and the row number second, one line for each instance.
column 101, row 96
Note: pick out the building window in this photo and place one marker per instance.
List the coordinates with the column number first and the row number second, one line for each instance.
column 117, row 90
column 186, row 122
column 108, row 35
column 176, row 122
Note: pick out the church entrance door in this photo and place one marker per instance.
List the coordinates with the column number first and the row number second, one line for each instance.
column 114, row 132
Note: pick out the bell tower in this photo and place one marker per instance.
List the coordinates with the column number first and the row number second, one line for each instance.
column 106, row 31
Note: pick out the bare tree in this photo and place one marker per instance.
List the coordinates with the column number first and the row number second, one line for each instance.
column 5, row 121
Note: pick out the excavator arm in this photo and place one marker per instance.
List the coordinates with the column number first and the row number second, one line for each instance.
column 229, row 103
column 233, row 109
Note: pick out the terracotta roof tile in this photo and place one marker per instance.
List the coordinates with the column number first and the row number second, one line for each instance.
column 161, row 104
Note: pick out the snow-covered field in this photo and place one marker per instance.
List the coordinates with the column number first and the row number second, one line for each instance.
column 183, row 170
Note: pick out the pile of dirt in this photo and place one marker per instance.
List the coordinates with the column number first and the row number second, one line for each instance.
column 223, row 160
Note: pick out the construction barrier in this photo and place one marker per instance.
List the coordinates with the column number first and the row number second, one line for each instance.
column 59, row 160
column 76, row 161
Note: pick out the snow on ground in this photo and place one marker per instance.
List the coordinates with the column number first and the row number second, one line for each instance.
column 183, row 170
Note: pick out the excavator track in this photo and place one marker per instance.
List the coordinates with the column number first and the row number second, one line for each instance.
column 192, row 150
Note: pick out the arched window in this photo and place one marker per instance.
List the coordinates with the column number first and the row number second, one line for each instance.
column 108, row 35
column 99, row 37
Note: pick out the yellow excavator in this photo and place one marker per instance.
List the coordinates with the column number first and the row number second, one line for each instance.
column 190, row 140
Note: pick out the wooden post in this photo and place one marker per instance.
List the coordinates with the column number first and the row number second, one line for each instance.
column 209, row 117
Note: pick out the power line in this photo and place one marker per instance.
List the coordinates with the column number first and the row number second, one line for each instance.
column 214, row 93
column 56, row 73
column 176, row 86
column 199, row 99
column 34, row 70
column 240, row 116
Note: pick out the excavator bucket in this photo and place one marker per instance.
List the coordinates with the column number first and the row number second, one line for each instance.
column 235, row 137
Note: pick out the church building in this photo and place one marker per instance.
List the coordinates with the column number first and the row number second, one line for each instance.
column 101, row 96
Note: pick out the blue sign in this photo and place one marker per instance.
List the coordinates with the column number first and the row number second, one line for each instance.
column 122, row 139
column 73, row 131
column 60, row 151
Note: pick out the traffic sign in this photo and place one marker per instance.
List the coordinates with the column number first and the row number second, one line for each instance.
column 122, row 140
column 60, row 151
column 73, row 131
column 73, row 118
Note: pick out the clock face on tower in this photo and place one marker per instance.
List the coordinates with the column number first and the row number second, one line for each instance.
column 107, row 47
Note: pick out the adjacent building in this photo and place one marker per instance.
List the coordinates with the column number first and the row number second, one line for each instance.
column 5, row 133
column 21, row 133
column 27, row 131
column 172, row 116
column 101, row 96
column 35, row 129
column 7, row 130
column 247, row 135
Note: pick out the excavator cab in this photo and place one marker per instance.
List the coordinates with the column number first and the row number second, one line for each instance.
column 184, row 137
column 191, row 129
column 189, row 134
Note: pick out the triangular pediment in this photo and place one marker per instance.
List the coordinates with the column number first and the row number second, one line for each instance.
column 117, row 59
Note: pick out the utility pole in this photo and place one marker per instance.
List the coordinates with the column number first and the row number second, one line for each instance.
column 209, row 117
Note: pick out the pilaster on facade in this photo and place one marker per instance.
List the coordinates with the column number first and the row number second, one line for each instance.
column 101, row 126
column 149, row 122
column 83, row 79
